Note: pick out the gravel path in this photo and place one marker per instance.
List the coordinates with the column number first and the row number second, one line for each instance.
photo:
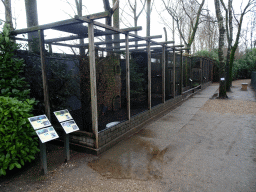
column 202, row 145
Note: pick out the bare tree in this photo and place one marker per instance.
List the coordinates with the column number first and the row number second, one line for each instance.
column 185, row 13
column 207, row 34
column 136, row 15
column 232, row 47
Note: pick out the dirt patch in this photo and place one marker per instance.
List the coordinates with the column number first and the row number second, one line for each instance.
column 230, row 106
column 239, row 82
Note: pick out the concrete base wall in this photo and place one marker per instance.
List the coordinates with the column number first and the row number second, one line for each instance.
column 111, row 136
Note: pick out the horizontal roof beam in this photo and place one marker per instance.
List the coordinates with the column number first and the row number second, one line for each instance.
column 174, row 46
column 46, row 26
column 99, row 15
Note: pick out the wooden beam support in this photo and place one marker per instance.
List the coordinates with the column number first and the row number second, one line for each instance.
column 44, row 76
column 175, row 46
column 167, row 42
column 128, row 96
column 93, row 84
column 84, row 19
column 98, row 15
column 46, row 26
column 125, row 30
column 183, row 49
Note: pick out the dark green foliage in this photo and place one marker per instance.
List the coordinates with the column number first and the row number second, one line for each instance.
column 213, row 54
column 243, row 67
column 18, row 140
column 11, row 83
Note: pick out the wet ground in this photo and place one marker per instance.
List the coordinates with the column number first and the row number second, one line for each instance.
column 205, row 144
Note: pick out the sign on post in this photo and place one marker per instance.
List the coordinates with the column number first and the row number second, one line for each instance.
column 43, row 128
column 45, row 132
column 66, row 121
column 69, row 126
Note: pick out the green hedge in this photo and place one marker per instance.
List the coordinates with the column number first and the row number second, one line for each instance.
column 18, row 139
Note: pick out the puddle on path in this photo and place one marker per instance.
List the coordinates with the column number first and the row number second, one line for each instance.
column 141, row 158
column 169, row 118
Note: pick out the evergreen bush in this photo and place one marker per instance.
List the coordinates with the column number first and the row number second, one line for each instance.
column 11, row 83
column 18, row 139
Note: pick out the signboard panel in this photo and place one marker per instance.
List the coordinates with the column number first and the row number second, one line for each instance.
column 39, row 122
column 63, row 115
column 66, row 121
column 69, row 126
column 47, row 134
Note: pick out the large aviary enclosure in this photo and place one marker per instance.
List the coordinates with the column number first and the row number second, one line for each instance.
column 112, row 86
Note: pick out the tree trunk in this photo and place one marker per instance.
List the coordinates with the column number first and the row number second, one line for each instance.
column 32, row 20
column 116, row 24
column 229, row 28
column 8, row 13
column 148, row 17
column 107, row 22
column 222, row 88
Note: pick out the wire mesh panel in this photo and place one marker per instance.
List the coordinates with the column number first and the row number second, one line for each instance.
column 156, row 78
column 66, row 85
column 204, row 70
column 139, row 82
column 169, row 76
column 196, row 71
column 186, row 73
column 111, row 91
column 178, row 74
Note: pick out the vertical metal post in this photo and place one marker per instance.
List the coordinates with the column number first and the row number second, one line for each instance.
column 43, row 156
column 44, row 77
column 201, row 67
column 167, row 76
column 93, row 83
column 50, row 48
column 190, row 71
column 66, row 147
column 163, row 74
column 128, row 97
column 186, row 83
column 149, row 74
column 174, row 75
column 181, row 72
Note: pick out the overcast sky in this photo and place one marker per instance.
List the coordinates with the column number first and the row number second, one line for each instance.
column 56, row 10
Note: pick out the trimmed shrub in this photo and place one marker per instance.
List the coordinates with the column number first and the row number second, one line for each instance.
column 18, row 139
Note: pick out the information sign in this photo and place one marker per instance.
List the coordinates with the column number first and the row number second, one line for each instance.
column 69, row 126
column 63, row 115
column 66, row 121
column 39, row 122
column 47, row 134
